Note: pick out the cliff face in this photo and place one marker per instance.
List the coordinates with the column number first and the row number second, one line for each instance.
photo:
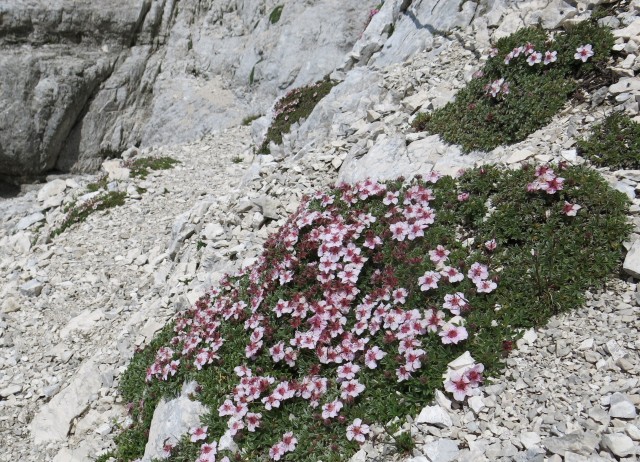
column 81, row 81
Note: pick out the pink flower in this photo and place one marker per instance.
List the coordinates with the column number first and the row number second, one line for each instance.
column 491, row 245
column 534, row 58
column 208, row 452
column 403, row 374
column 459, row 385
column 529, row 48
column 429, row 280
column 399, row 295
column 570, row 209
column 478, row 271
column 390, row 198
column 434, row 319
column 357, row 431
column 348, row 371
column 463, row 196
column 584, row 52
column 486, row 286
column 451, row 333
column 505, row 89
column 454, row 302
column 452, row 274
column 351, row 389
column 289, row 441
column 198, row 433
column 493, row 52
column 474, row 374
column 277, row 451
column 399, row 230
column 508, row 58
column 550, row 57
column 372, row 356
column 253, row 421
column 331, row 409
column 439, row 255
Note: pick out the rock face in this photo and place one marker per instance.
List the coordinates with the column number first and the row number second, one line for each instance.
column 81, row 81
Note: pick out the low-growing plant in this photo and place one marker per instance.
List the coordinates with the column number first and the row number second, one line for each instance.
column 249, row 119
column 614, row 143
column 237, row 159
column 294, row 106
column 527, row 79
column 77, row 213
column 274, row 17
column 101, row 183
column 358, row 303
column 139, row 168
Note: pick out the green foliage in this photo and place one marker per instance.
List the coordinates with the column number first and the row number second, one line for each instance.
column 79, row 213
column 274, row 17
column 614, row 143
column 247, row 120
column 544, row 261
column 252, row 75
column 140, row 167
column 294, row 106
column 476, row 120
column 98, row 185
column 237, row 159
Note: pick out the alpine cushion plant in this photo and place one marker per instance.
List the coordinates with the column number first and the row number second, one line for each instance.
column 614, row 143
column 526, row 80
column 297, row 104
column 355, row 308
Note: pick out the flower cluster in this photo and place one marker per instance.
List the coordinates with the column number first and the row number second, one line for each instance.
column 464, row 382
column 546, row 180
column 532, row 56
column 345, row 311
column 496, row 87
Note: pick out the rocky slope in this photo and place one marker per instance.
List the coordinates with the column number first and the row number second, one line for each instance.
column 82, row 81
column 74, row 308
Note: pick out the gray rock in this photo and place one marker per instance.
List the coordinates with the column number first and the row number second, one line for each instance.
column 631, row 263
column 580, row 442
column 10, row 305
column 434, row 415
column 53, row 188
column 619, row 444
column 626, row 84
column 170, row 421
column 53, row 421
column 621, row 407
column 25, row 222
column 442, row 450
column 10, row 390
column 32, row 288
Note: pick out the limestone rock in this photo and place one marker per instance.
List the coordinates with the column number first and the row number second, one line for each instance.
column 53, row 421
column 619, row 444
column 621, row 407
column 631, row 263
column 171, row 420
column 434, row 415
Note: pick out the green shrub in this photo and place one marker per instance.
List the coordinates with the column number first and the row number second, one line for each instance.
column 614, row 143
column 139, row 168
column 79, row 213
column 527, row 96
column 294, row 106
column 544, row 259
column 274, row 17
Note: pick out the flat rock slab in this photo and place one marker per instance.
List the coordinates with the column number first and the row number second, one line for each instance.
column 53, row 422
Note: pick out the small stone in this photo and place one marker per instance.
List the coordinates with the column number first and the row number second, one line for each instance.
column 442, row 450
column 10, row 390
column 621, row 407
column 435, row 415
column 620, row 445
column 29, row 220
column 32, row 288
column 476, row 404
column 615, row 350
column 529, row 439
column 631, row 263
column 10, row 305
column 633, row 431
